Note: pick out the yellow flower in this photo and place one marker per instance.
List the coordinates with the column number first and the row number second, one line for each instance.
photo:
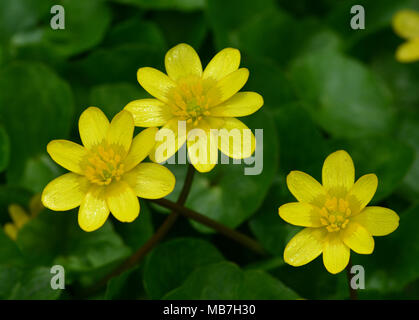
column 204, row 99
column 406, row 25
column 335, row 214
column 20, row 217
column 106, row 173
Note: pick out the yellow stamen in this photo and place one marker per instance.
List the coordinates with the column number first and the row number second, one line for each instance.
column 104, row 164
column 334, row 214
column 331, row 204
column 192, row 98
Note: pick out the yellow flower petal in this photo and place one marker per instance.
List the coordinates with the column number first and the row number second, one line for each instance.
column 93, row 210
column 300, row 214
column 169, row 139
column 305, row 246
column 358, row 238
column 362, row 191
column 149, row 112
column 18, row 215
column 305, row 188
column 122, row 201
column 155, row 82
column 229, row 85
column 335, row 254
column 93, row 126
column 338, row 173
column 151, row 180
column 65, row 192
column 236, row 140
column 182, row 61
column 11, row 230
column 406, row 24
column 378, row 221
column 121, row 130
column 202, row 147
column 141, row 147
column 67, row 154
column 224, row 62
column 408, row 51
column 239, row 105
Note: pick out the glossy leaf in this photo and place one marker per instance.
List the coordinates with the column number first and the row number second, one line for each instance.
column 342, row 95
column 172, row 262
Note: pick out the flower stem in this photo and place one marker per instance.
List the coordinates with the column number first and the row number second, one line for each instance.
column 161, row 232
column 353, row 295
column 222, row 229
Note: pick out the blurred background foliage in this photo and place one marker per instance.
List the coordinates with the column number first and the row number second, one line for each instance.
column 326, row 87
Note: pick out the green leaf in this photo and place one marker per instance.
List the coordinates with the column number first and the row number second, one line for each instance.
column 89, row 251
column 259, row 285
column 277, row 22
column 269, row 80
column 170, row 264
column 303, row 148
column 128, row 285
column 116, row 284
column 378, row 16
column 112, row 98
column 269, row 229
column 402, row 78
column 313, row 281
column 226, row 17
column 68, row 245
column 38, row 172
column 184, row 5
column 16, row 16
column 307, row 7
column 409, row 132
column 136, row 30
column 320, row 38
column 342, row 95
column 266, row 264
column 138, row 232
column 32, row 95
column 10, row 255
column 9, row 195
column 38, row 248
column 183, row 27
column 4, row 149
column 388, row 158
column 241, row 24
column 96, row 67
column 225, row 280
column 220, row 281
column 394, row 263
column 9, row 278
column 35, row 284
column 85, row 25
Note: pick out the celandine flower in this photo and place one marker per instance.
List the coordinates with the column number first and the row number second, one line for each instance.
column 20, row 216
column 205, row 100
column 106, row 173
column 406, row 25
column 335, row 214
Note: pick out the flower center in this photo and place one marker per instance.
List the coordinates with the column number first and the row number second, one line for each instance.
column 192, row 98
column 335, row 214
column 104, row 164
